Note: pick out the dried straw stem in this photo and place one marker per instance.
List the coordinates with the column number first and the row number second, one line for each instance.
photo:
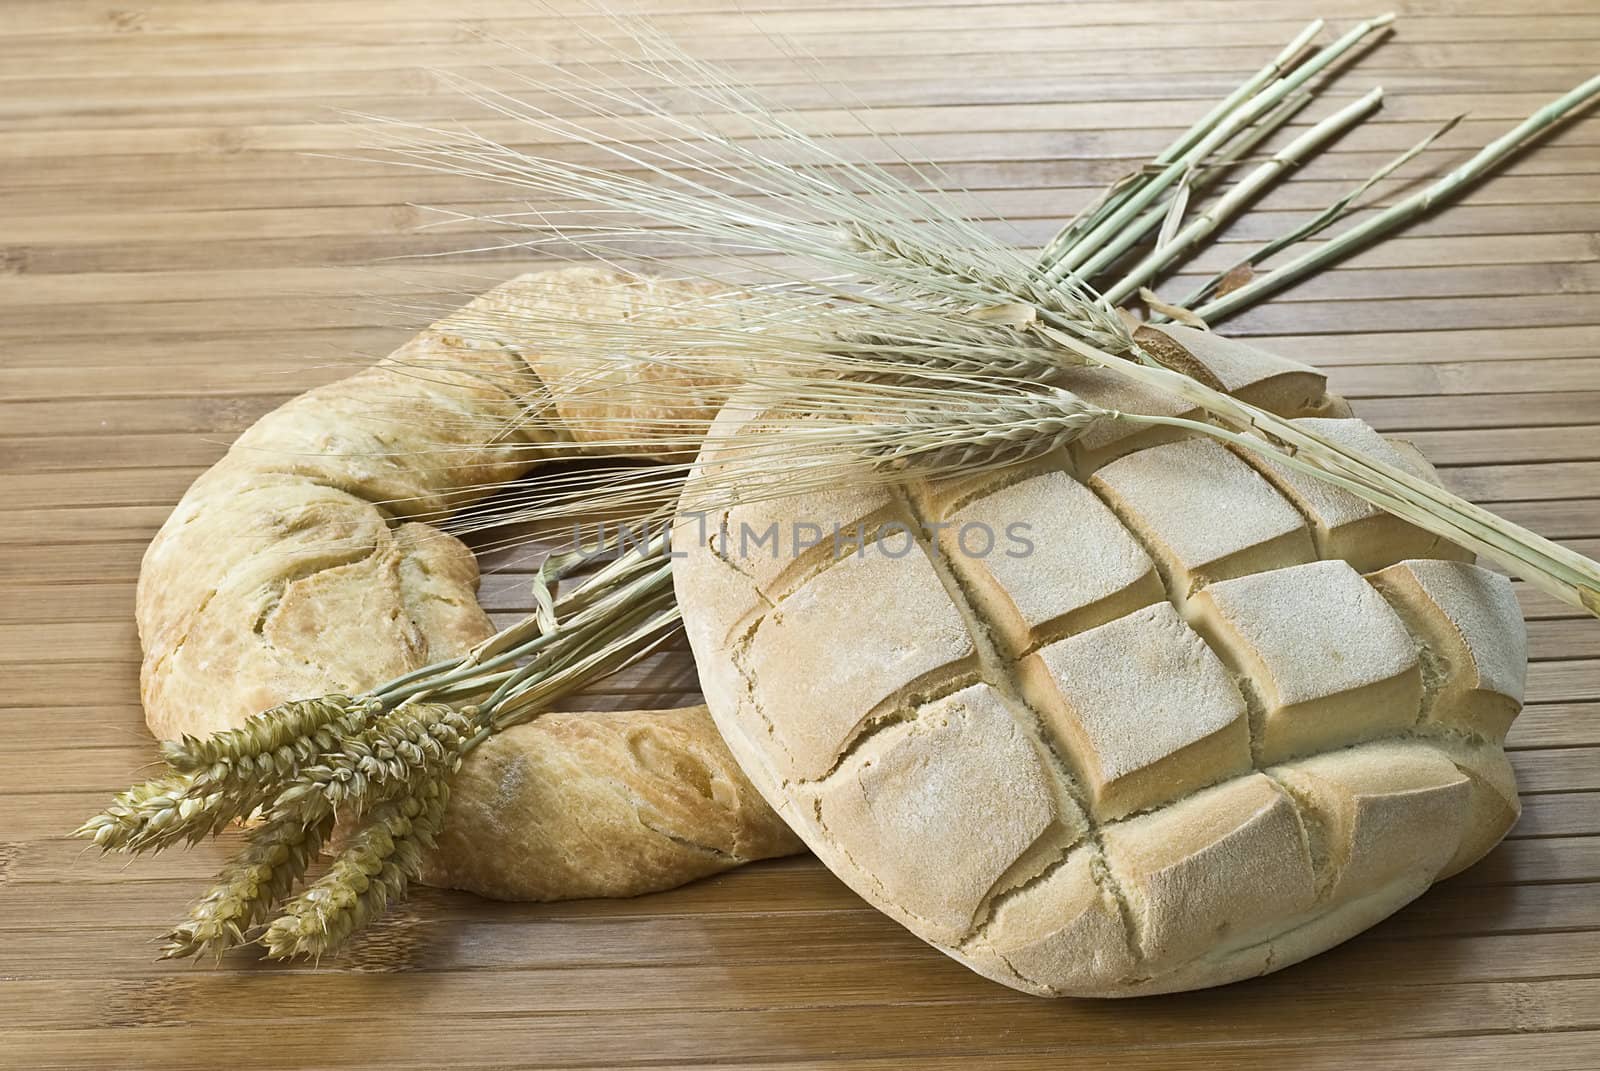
column 1336, row 211
column 1168, row 213
column 1119, row 192
column 1247, row 190
column 1089, row 254
column 1404, row 212
column 1560, row 572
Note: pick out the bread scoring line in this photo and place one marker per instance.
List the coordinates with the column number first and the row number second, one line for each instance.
column 999, row 674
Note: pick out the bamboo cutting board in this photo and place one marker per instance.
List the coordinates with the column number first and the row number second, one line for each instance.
column 172, row 265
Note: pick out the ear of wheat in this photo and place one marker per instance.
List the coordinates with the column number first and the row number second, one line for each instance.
column 877, row 328
column 379, row 761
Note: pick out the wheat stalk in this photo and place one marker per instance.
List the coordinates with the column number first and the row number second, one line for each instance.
column 1343, row 206
column 1409, row 209
column 1168, row 214
column 1295, row 52
column 911, row 264
column 963, row 421
column 1556, row 570
column 382, row 759
column 1090, row 253
column 1169, row 248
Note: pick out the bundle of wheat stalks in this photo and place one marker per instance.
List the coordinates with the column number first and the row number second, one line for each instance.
column 878, row 327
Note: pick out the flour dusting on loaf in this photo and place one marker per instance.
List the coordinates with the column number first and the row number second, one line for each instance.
column 1221, row 718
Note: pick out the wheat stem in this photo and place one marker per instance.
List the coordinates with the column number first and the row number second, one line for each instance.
column 1247, row 190
column 1340, row 208
column 1087, row 255
column 1413, row 207
column 1554, row 569
column 1156, row 215
column 1120, row 191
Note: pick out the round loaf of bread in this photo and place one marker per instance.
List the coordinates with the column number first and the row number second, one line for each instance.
column 1149, row 716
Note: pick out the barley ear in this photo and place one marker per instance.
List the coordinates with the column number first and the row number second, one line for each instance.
column 925, row 271
column 1005, row 432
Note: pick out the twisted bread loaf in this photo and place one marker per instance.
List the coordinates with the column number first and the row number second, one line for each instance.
column 302, row 564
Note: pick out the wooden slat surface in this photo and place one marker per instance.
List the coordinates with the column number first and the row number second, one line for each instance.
column 173, row 263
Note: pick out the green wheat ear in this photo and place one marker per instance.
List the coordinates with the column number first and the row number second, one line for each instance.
column 288, row 734
column 276, row 856
column 226, row 777
column 379, row 861
column 380, row 762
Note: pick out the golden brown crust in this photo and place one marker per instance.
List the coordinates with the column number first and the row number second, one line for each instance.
column 602, row 804
column 302, row 564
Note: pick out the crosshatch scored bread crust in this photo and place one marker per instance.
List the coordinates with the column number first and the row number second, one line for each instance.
column 1222, row 718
